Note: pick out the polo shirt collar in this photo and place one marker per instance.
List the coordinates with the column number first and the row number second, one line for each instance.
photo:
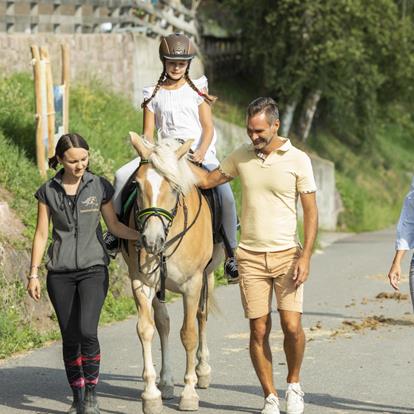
column 286, row 146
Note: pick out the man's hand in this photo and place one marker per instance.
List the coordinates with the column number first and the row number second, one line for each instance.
column 198, row 156
column 33, row 288
column 301, row 272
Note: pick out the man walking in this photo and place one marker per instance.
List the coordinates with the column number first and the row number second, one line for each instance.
column 273, row 173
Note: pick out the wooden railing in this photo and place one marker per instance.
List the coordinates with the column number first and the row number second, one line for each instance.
column 222, row 56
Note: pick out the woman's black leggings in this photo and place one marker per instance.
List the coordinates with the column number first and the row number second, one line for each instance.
column 78, row 297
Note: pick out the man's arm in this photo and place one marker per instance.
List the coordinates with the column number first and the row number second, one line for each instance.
column 310, row 224
column 209, row 179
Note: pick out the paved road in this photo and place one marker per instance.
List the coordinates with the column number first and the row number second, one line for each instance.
column 348, row 368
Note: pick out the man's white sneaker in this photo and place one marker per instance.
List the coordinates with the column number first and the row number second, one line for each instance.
column 271, row 405
column 294, row 399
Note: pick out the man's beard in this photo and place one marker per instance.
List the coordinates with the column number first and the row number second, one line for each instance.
column 260, row 143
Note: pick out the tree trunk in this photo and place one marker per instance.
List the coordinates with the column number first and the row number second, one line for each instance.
column 287, row 118
column 308, row 112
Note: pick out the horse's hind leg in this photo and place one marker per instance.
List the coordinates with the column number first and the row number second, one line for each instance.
column 189, row 398
column 151, row 396
column 162, row 322
column 203, row 368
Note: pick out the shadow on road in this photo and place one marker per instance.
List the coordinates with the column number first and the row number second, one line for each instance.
column 22, row 386
column 348, row 405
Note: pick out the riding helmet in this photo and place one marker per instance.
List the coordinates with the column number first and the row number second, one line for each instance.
column 176, row 46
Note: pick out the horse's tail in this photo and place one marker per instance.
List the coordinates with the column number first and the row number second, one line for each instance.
column 207, row 302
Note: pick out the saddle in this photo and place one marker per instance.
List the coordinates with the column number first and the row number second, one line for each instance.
column 128, row 195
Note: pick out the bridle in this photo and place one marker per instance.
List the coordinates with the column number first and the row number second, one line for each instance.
column 141, row 217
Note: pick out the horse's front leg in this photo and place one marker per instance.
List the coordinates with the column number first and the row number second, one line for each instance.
column 203, row 368
column 189, row 397
column 151, row 396
column 162, row 322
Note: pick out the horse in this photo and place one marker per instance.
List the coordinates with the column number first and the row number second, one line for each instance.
column 176, row 252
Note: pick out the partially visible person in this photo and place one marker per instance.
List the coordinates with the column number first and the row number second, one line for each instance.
column 178, row 107
column 404, row 242
column 273, row 175
column 77, row 279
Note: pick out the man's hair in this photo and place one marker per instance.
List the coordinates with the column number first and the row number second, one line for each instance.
column 266, row 105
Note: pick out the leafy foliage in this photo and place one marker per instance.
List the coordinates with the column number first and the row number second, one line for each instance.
column 358, row 53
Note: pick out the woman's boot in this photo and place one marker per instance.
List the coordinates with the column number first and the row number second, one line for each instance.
column 90, row 403
column 76, row 407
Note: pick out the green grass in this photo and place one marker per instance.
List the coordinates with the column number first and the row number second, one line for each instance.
column 104, row 120
column 373, row 182
column 16, row 331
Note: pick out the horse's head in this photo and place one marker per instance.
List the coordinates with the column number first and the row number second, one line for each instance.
column 161, row 177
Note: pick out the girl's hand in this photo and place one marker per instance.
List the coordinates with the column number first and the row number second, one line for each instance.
column 394, row 275
column 198, row 156
column 33, row 288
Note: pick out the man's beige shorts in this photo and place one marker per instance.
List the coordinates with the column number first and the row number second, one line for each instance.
column 260, row 272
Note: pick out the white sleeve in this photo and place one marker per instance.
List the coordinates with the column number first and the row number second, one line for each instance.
column 147, row 92
column 405, row 227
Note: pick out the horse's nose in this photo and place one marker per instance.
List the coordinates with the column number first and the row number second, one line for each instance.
column 161, row 241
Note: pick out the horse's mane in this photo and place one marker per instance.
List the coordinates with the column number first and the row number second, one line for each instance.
column 177, row 172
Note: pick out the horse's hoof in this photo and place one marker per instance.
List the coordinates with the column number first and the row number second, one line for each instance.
column 152, row 406
column 189, row 404
column 203, row 381
column 167, row 391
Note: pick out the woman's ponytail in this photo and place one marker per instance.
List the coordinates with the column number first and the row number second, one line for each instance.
column 53, row 162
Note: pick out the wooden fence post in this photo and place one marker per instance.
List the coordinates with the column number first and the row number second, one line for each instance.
column 40, row 148
column 44, row 54
column 65, row 83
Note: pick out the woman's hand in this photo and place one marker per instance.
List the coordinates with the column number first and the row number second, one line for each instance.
column 394, row 275
column 33, row 288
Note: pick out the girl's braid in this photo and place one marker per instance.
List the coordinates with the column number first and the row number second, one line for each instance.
column 210, row 99
column 156, row 89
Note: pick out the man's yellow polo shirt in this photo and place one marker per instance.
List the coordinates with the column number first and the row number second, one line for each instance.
column 270, row 190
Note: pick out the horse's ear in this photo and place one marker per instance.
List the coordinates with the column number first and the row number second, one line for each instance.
column 138, row 143
column 180, row 152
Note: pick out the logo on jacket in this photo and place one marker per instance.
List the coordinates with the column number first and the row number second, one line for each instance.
column 90, row 204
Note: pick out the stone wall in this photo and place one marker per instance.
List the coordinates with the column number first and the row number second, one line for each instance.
column 125, row 62
column 230, row 136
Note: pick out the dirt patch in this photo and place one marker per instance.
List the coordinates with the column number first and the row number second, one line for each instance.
column 371, row 323
column 392, row 295
column 10, row 225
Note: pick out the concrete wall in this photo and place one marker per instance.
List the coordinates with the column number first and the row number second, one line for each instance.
column 329, row 205
column 126, row 62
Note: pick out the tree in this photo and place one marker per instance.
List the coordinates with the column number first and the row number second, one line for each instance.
column 351, row 55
